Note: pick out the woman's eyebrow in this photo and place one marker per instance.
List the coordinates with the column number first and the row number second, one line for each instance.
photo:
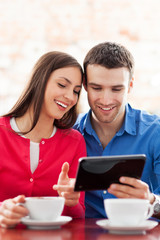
column 69, row 81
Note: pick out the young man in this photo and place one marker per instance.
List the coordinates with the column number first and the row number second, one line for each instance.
column 113, row 127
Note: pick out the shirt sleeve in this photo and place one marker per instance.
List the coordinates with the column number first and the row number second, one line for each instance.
column 156, row 163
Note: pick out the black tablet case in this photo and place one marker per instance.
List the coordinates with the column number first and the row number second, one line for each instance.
column 97, row 173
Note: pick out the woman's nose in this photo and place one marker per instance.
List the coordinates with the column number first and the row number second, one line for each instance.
column 69, row 95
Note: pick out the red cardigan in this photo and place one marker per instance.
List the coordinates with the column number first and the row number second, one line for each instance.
column 15, row 175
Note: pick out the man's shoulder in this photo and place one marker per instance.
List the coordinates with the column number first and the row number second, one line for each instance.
column 81, row 119
column 144, row 116
column 139, row 121
column 147, row 122
column 148, row 118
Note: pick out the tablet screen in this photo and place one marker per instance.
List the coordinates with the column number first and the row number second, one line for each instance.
column 97, row 173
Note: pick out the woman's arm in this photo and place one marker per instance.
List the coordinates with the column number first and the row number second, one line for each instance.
column 74, row 201
column 11, row 213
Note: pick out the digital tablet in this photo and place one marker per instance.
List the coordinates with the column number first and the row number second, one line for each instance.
column 97, row 173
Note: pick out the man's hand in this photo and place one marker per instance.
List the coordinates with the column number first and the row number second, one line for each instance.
column 137, row 189
column 65, row 187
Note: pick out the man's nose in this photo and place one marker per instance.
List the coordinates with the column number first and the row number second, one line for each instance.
column 106, row 97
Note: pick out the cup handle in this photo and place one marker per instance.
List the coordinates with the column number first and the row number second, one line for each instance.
column 20, row 204
column 151, row 211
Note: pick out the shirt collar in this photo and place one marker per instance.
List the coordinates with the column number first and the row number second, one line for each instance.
column 128, row 126
column 87, row 123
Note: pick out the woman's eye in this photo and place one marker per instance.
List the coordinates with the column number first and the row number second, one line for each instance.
column 61, row 85
column 77, row 92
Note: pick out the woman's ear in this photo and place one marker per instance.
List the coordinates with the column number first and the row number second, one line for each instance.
column 84, row 83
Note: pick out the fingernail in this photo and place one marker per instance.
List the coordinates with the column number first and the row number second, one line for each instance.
column 113, row 186
column 122, row 179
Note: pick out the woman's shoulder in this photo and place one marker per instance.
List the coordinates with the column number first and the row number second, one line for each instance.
column 5, row 121
column 71, row 133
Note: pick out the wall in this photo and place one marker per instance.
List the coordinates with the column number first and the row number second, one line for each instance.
column 29, row 28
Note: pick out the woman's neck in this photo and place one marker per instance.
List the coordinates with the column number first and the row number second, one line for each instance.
column 43, row 128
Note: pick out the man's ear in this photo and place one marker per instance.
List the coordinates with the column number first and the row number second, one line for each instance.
column 84, row 83
column 130, row 84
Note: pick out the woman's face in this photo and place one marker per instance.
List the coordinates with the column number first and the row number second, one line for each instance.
column 61, row 92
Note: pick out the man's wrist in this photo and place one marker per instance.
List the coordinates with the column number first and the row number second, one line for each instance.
column 156, row 204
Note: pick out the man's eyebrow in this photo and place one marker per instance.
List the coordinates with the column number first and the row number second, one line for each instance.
column 94, row 84
column 98, row 85
column 69, row 81
column 118, row 86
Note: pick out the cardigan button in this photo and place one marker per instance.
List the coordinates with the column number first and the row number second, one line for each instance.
column 43, row 142
column 31, row 179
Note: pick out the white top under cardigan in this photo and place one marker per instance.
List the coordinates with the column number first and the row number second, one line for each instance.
column 34, row 147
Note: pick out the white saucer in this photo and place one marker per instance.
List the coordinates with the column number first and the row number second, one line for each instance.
column 35, row 224
column 131, row 230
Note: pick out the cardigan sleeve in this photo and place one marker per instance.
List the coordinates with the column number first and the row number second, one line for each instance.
column 77, row 211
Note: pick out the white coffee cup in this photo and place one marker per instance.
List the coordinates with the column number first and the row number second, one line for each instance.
column 44, row 208
column 127, row 212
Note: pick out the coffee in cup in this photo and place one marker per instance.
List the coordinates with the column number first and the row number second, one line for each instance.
column 44, row 208
column 127, row 212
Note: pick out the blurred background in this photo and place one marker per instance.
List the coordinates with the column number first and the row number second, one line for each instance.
column 29, row 28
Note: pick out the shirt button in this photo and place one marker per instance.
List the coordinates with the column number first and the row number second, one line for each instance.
column 104, row 192
column 43, row 142
column 31, row 179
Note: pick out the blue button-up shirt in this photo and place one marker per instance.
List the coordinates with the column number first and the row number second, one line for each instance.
column 139, row 134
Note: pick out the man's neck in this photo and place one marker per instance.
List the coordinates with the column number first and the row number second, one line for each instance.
column 106, row 131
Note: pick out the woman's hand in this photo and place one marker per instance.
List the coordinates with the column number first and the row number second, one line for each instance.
column 137, row 189
column 11, row 213
column 65, row 187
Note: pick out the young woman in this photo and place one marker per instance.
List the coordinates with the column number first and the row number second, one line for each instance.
column 36, row 139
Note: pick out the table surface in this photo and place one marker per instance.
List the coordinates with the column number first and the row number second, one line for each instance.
column 76, row 229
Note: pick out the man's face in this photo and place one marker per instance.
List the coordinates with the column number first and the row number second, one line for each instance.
column 107, row 92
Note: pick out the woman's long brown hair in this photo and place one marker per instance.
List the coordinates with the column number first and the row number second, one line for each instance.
column 34, row 92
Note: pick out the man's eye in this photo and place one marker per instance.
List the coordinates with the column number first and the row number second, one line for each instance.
column 116, row 89
column 96, row 88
